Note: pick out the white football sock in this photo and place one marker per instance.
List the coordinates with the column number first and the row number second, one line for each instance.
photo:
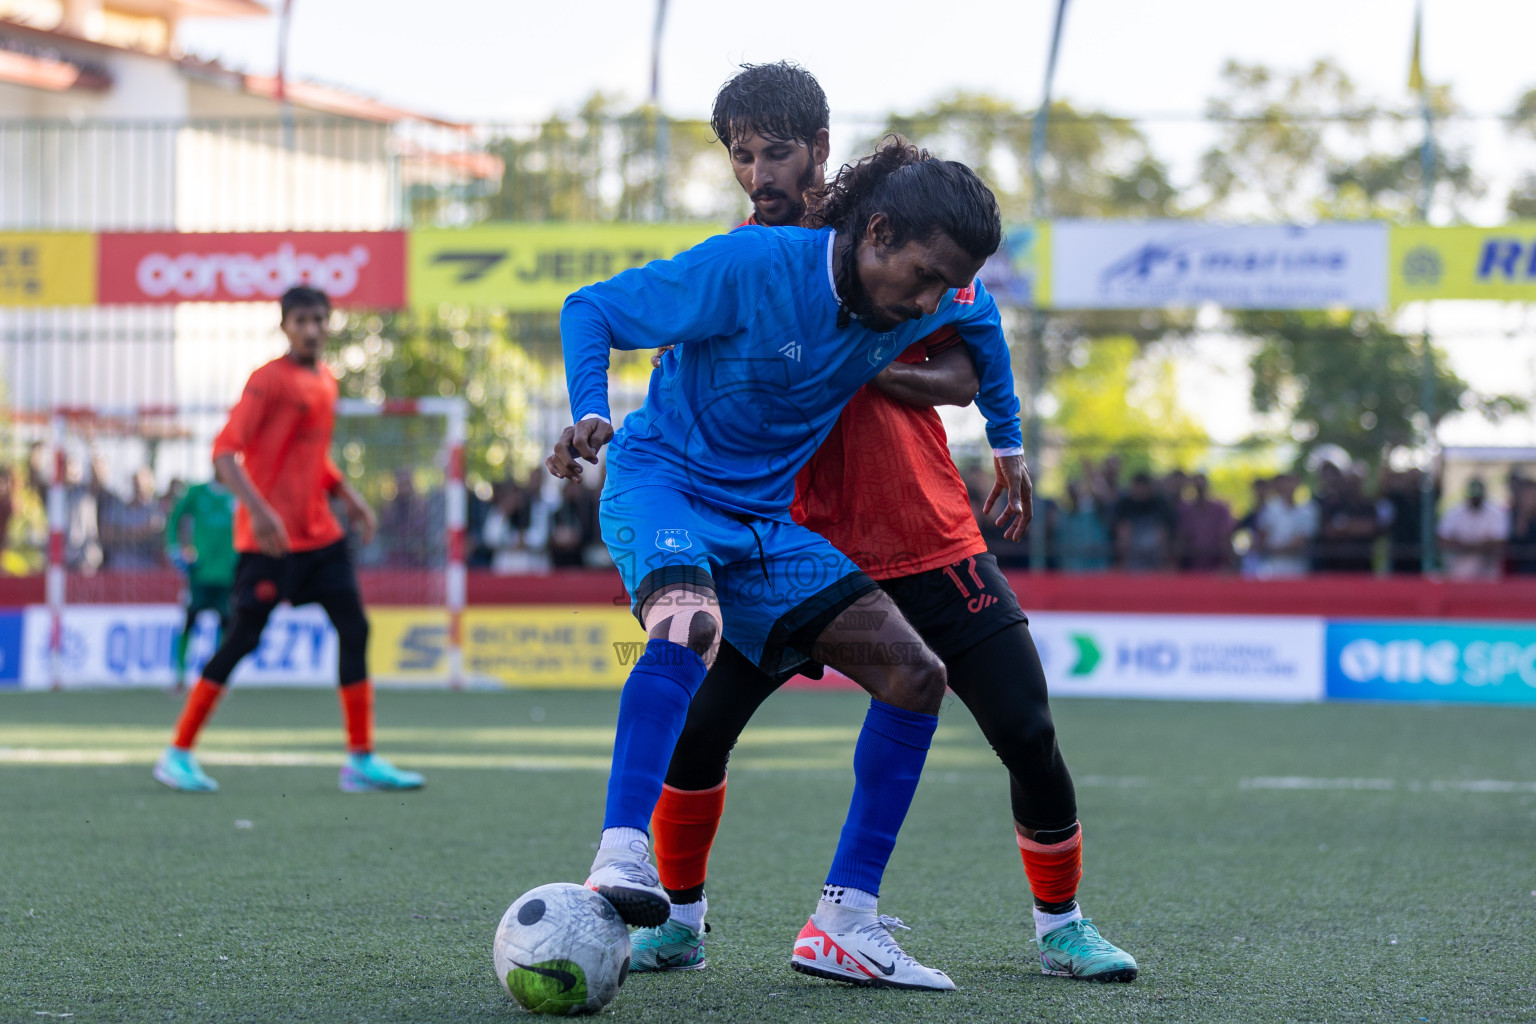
column 625, row 839
column 691, row 914
column 849, row 898
column 1047, row 923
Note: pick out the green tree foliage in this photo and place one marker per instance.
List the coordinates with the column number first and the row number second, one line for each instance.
column 1096, row 165
column 1522, row 124
column 1350, row 381
column 1115, row 396
column 1305, row 146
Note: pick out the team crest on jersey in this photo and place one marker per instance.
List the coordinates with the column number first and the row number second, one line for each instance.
column 791, row 349
column 883, row 350
column 965, row 296
column 673, row 540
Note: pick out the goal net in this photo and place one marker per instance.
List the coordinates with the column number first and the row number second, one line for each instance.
column 113, row 608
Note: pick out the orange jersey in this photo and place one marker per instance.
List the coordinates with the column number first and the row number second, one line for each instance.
column 883, row 488
column 281, row 428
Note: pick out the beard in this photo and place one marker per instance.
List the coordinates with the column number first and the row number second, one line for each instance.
column 794, row 211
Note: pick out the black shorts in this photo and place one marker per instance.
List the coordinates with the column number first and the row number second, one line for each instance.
column 301, row 577
column 957, row 607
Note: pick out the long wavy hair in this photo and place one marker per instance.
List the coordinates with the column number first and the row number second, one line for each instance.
column 921, row 196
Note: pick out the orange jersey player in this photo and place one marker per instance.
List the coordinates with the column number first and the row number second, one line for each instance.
column 274, row 455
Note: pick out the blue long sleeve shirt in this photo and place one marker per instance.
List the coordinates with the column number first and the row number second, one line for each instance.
column 760, row 370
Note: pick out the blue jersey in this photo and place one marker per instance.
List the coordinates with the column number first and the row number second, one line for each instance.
column 761, row 370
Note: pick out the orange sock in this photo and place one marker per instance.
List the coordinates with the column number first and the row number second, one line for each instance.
column 357, row 713
column 199, row 705
column 683, row 829
column 1053, row 871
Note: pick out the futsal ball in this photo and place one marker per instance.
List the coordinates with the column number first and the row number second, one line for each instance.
column 561, row 949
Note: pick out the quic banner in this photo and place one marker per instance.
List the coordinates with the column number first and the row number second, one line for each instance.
column 355, row 268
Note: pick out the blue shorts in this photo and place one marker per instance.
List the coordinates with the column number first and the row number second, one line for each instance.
column 779, row 584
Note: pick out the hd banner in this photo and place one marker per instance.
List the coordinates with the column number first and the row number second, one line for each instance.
column 1157, row 264
column 1464, row 263
column 530, row 268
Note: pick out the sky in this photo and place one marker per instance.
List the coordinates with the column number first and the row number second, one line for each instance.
column 515, row 60
column 518, row 61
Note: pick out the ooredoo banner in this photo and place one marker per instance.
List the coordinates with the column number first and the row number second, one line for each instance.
column 1186, row 657
column 355, row 268
column 1155, row 264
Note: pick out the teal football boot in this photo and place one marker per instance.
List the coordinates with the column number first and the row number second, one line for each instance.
column 1077, row 950
column 370, row 773
column 178, row 769
column 672, row 947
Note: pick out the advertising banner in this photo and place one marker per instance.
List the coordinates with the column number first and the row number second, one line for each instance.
column 571, row 646
column 1155, row 264
column 1486, row 663
column 47, row 268
column 530, row 268
column 1463, row 263
column 10, row 647
column 1185, row 657
column 355, row 268
column 134, row 645
column 1019, row 273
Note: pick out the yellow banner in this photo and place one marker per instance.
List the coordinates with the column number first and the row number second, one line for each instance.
column 47, row 269
column 567, row 646
column 1463, row 263
column 528, row 268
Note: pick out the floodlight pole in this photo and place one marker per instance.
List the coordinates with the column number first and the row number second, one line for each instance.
column 1033, row 445
column 1427, row 166
column 285, row 109
column 663, row 133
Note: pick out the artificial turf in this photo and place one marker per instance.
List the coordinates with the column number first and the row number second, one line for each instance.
column 1264, row 863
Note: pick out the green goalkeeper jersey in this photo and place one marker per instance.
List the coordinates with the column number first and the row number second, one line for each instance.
column 212, row 510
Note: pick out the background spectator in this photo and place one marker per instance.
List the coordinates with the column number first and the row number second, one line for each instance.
column 573, row 526
column 1347, row 523
column 1402, row 507
column 1143, row 528
column 1082, row 539
column 7, row 504
column 130, row 529
column 1472, row 536
column 516, row 531
column 1203, row 538
column 1522, row 525
column 1285, row 531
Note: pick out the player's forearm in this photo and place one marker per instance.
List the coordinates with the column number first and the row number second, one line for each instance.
column 943, row 380
column 233, row 475
column 585, row 338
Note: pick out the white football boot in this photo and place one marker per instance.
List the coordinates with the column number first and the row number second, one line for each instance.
column 857, row 947
column 626, row 878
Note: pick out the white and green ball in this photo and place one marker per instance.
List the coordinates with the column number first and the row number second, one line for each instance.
column 561, row 949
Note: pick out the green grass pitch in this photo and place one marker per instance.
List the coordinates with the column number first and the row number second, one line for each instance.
column 1264, row 863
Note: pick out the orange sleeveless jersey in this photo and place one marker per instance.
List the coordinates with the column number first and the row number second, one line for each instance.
column 883, row 488
column 281, row 428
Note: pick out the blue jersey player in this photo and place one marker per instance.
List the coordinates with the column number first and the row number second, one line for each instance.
column 774, row 330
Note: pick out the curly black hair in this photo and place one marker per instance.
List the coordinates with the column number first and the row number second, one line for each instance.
column 776, row 101
column 921, row 197
column 302, row 296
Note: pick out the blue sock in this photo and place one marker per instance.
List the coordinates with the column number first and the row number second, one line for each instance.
column 652, row 708
column 887, row 762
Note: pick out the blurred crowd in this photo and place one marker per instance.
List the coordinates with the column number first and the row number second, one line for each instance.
column 1333, row 520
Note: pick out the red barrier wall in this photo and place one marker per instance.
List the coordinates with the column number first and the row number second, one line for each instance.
column 1333, row 596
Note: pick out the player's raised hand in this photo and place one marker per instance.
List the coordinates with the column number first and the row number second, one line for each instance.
column 579, row 441
column 271, row 535
column 1012, row 480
